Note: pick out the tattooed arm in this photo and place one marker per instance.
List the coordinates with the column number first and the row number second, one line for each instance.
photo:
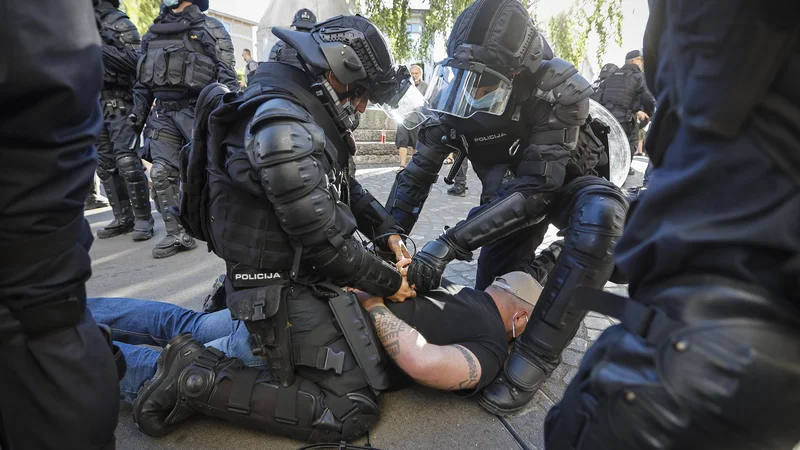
column 448, row 367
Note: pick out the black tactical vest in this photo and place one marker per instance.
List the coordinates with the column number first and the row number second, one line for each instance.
column 110, row 35
column 619, row 93
column 176, row 59
column 244, row 226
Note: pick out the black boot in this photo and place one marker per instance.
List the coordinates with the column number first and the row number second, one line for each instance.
column 523, row 375
column 158, row 397
column 192, row 380
column 217, row 299
column 173, row 243
column 176, row 239
column 120, row 205
column 458, row 190
column 594, row 216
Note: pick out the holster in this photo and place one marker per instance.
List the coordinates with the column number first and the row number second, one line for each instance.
column 263, row 311
column 360, row 337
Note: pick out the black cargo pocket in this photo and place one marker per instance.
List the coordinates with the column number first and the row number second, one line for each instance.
column 175, row 68
column 159, row 67
column 199, row 71
column 144, row 70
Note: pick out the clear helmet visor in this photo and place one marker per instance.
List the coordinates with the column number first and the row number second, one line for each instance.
column 464, row 93
column 410, row 109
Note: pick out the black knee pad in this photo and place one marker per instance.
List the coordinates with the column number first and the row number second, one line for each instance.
column 130, row 167
column 163, row 176
column 105, row 171
column 597, row 215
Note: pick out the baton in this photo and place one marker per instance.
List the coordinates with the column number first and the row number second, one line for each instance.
column 461, row 155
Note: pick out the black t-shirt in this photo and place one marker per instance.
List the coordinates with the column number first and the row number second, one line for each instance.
column 455, row 314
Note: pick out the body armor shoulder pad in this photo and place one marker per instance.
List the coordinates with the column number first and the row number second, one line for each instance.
column 216, row 28
column 573, row 90
column 128, row 32
column 113, row 15
column 224, row 44
column 282, row 131
column 554, row 72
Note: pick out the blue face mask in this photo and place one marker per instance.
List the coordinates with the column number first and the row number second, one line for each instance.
column 171, row 3
column 485, row 103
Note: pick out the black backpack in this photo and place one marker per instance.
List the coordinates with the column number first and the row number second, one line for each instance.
column 193, row 204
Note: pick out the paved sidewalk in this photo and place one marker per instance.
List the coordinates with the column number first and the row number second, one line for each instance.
column 417, row 418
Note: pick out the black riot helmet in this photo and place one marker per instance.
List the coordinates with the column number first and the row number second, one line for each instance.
column 358, row 55
column 492, row 41
column 304, row 19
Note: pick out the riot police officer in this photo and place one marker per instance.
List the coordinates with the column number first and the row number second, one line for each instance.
column 707, row 354
column 282, row 213
column 58, row 384
column 515, row 109
column 119, row 167
column 624, row 93
column 304, row 20
column 182, row 52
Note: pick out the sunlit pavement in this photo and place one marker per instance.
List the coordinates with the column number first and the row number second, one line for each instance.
column 417, row 418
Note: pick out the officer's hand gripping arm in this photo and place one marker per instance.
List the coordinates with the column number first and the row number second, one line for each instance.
column 446, row 367
column 413, row 185
column 286, row 148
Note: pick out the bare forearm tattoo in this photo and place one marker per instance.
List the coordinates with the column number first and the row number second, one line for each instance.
column 389, row 328
column 473, row 369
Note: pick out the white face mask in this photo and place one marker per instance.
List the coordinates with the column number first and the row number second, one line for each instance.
column 171, row 3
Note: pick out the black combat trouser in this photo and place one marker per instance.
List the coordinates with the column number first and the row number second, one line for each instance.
column 58, row 383
column 712, row 358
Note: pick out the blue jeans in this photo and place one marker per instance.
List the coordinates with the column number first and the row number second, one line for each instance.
column 136, row 322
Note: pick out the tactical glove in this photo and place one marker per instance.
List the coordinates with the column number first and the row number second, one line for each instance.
column 426, row 269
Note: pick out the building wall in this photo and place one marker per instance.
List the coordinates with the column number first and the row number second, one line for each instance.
column 241, row 34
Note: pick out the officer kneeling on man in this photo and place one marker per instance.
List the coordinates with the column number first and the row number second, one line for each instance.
column 454, row 338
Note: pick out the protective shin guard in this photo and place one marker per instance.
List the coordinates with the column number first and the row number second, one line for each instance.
column 597, row 216
column 120, row 206
column 194, row 380
column 131, row 169
column 176, row 240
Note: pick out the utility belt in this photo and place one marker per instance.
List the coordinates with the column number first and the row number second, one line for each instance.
column 163, row 135
column 175, row 105
column 259, row 298
column 117, row 95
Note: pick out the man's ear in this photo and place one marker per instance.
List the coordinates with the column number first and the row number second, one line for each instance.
column 335, row 83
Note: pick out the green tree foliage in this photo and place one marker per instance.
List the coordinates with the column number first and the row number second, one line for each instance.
column 141, row 12
column 391, row 19
column 569, row 30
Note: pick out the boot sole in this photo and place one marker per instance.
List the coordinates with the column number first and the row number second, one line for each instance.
column 152, row 384
column 492, row 408
column 142, row 237
column 114, row 234
column 172, row 251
